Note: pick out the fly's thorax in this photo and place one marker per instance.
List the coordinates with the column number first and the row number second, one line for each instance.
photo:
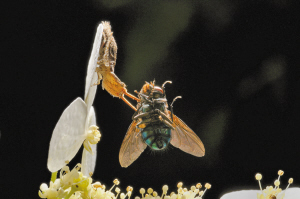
column 149, row 107
column 146, row 108
column 156, row 136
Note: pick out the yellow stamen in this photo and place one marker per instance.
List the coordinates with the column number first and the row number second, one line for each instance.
column 276, row 183
column 150, row 191
column 165, row 189
column 180, row 191
column 179, row 184
column 93, row 135
column 193, row 188
column 280, row 173
column 258, row 177
column 129, row 188
column 129, row 194
column 207, row 186
column 201, row 193
column 116, row 182
column 118, row 191
column 142, row 191
column 122, row 196
column 97, row 185
column 290, row 182
column 199, row 185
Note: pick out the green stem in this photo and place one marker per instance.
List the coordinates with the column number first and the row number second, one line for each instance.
column 70, row 193
column 53, row 176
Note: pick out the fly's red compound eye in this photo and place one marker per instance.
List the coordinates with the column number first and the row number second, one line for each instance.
column 157, row 92
column 158, row 89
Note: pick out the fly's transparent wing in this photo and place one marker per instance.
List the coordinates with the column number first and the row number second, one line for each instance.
column 88, row 161
column 68, row 135
column 91, row 77
column 132, row 146
column 185, row 139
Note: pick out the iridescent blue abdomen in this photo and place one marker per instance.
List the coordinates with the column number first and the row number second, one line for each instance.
column 156, row 136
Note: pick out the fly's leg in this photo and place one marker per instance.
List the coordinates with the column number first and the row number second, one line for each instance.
column 142, row 124
column 172, row 106
column 157, row 111
column 128, row 103
column 166, row 123
column 164, row 116
column 132, row 96
column 141, row 115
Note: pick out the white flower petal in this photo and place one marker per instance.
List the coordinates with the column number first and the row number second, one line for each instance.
column 91, row 119
column 91, row 77
column 291, row 193
column 91, row 93
column 88, row 161
column 245, row 194
column 68, row 135
column 44, row 187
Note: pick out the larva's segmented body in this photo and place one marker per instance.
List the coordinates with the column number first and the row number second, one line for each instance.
column 107, row 61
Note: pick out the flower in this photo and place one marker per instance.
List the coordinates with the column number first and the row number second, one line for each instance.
column 193, row 192
column 77, row 123
column 75, row 185
column 93, row 137
column 49, row 192
column 53, row 191
column 269, row 192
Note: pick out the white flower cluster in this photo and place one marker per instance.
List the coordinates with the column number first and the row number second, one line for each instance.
column 182, row 193
column 74, row 185
column 269, row 192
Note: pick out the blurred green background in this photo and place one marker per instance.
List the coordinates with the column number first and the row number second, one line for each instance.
column 235, row 63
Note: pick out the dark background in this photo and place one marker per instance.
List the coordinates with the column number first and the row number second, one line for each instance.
column 233, row 62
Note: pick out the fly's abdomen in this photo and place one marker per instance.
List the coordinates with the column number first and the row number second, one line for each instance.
column 156, row 136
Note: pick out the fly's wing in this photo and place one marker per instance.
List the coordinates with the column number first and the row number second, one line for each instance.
column 132, row 146
column 185, row 139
